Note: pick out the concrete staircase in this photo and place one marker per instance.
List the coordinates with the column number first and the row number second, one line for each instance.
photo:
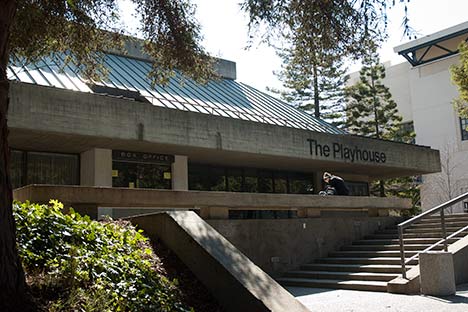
column 369, row 264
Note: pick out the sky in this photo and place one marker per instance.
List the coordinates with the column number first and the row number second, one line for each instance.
column 225, row 32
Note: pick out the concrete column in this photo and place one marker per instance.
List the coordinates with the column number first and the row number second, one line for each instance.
column 180, row 173
column 437, row 273
column 318, row 182
column 96, row 167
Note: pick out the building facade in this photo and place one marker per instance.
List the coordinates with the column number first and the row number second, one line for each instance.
column 423, row 91
column 222, row 136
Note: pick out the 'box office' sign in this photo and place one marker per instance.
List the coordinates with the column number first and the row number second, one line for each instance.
column 142, row 157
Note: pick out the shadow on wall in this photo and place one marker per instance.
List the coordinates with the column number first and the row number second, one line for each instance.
column 236, row 282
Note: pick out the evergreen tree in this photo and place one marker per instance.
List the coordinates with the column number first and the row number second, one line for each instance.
column 372, row 112
column 314, row 82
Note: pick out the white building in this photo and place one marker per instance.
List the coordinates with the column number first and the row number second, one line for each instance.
column 424, row 93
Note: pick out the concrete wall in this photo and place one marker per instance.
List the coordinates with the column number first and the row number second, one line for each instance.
column 234, row 280
column 133, row 48
column 70, row 121
column 280, row 245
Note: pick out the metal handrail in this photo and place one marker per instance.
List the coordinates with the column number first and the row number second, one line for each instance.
column 411, row 221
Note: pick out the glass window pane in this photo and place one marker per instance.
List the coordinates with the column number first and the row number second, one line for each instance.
column 206, row 178
column 358, row 188
column 265, row 181
column 281, row 182
column 234, row 180
column 250, row 181
column 17, row 168
column 141, row 175
column 300, row 183
column 464, row 129
column 52, row 168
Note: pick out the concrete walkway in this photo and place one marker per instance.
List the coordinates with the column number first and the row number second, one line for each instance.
column 330, row 300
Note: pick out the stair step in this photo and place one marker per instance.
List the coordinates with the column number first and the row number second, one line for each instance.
column 406, row 240
column 406, row 235
column 373, row 268
column 342, row 284
column 362, row 276
column 456, row 216
column 354, row 260
column 408, row 247
column 458, row 224
column 371, row 253
column 449, row 230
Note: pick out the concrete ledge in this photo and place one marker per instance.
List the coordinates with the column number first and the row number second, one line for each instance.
column 459, row 250
column 409, row 286
column 218, row 203
column 412, row 285
column 236, row 282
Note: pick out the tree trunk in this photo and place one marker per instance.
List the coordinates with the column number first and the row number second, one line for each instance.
column 316, row 93
column 382, row 188
column 13, row 294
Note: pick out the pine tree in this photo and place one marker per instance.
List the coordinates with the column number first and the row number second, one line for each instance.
column 372, row 112
column 314, row 81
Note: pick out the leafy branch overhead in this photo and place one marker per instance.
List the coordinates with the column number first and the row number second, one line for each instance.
column 342, row 26
column 84, row 28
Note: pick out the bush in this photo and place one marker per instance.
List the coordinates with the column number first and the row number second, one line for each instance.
column 84, row 265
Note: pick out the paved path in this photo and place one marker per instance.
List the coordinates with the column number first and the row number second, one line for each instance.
column 330, row 300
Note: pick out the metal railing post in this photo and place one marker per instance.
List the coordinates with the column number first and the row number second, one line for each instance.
column 444, row 230
column 402, row 252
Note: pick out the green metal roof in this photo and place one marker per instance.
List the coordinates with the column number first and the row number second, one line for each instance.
column 128, row 77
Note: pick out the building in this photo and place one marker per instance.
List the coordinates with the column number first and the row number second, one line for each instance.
column 424, row 92
column 223, row 136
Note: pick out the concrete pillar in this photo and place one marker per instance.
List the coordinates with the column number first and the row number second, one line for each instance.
column 96, row 167
column 318, row 182
column 180, row 173
column 437, row 273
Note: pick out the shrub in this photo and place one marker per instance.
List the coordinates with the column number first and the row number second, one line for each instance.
column 85, row 265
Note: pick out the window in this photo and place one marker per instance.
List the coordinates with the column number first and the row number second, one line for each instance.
column 357, row 188
column 141, row 175
column 44, row 168
column 464, row 129
column 17, row 163
column 251, row 180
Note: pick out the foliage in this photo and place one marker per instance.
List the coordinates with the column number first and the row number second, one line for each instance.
column 405, row 187
column 372, row 112
column 85, row 28
column 88, row 265
column 459, row 75
column 314, row 82
column 343, row 26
